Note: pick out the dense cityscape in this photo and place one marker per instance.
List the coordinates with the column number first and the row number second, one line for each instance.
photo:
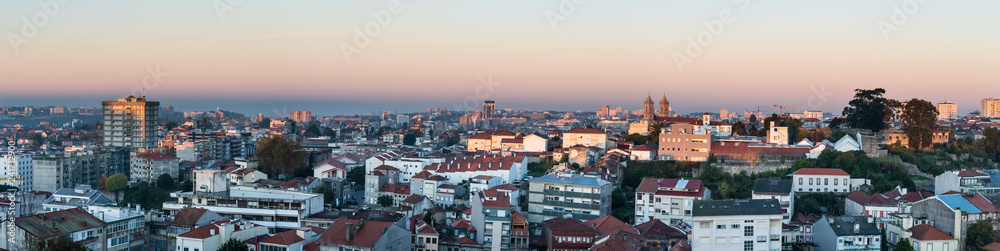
column 515, row 125
column 136, row 174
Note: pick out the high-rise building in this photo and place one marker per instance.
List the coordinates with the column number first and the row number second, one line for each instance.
column 488, row 107
column 302, row 117
column 723, row 114
column 20, row 164
column 947, row 110
column 131, row 122
column 604, row 112
column 990, row 108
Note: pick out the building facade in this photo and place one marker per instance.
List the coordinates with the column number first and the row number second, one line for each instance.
column 668, row 200
column 131, row 122
column 736, row 225
column 583, row 196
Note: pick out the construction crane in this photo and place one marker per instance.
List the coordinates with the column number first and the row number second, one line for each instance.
column 781, row 108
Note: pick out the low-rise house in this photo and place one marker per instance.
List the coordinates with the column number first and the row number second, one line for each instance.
column 847, row 233
column 187, row 219
column 212, row 236
column 613, row 234
column 659, row 235
column 779, row 189
column 834, row 180
column 298, row 239
column 355, row 234
column 73, row 224
column 736, row 225
column 78, row 197
column 964, row 181
column 567, row 233
column 954, row 213
column 126, row 227
column 246, row 176
column 668, row 200
column 927, row 237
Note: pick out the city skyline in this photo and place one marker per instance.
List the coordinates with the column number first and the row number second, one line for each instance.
column 538, row 56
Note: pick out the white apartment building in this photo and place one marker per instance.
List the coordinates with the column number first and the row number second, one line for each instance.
column 947, row 110
column 779, row 189
column 990, row 108
column 668, row 200
column 736, row 225
column 585, row 137
column 150, row 165
column 21, row 166
column 212, row 236
column 834, row 180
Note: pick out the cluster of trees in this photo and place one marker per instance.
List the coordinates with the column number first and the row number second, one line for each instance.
column 871, row 110
column 812, row 203
column 145, row 194
column 655, row 169
column 280, row 157
column 979, row 235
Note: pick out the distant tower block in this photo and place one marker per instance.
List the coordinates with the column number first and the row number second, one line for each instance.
column 488, row 107
column 664, row 107
column 647, row 113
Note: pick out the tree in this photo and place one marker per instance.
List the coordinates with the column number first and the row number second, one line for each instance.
column 919, row 119
column 117, row 182
column 739, row 128
column 654, row 131
column 990, row 144
column 170, row 125
column 327, row 193
column 904, row 245
column 234, row 245
column 885, row 244
column 278, row 155
column 166, row 182
column 636, row 138
column 60, row 244
column 104, row 182
column 618, row 198
column 409, row 139
column 384, row 200
column 979, row 235
column 329, row 132
column 312, row 131
column 870, row 110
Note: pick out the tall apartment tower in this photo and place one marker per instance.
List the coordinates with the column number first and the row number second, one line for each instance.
column 990, row 108
column 488, row 107
column 302, row 117
column 947, row 110
column 648, row 112
column 131, row 122
column 664, row 107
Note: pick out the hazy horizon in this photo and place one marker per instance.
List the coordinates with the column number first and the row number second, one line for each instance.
column 197, row 55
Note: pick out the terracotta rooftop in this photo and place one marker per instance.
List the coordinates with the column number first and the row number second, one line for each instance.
column 821, row 171
column 926, row 232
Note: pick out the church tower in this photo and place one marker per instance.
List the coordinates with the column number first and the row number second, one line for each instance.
column 664, row 107
column 647, row 114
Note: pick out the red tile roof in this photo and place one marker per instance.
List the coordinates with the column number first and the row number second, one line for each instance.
column 364, row 236
column 284, row 238
column 396, row 188
column 484, row 135
column 564, row 226
column 926, row 232
column 206, row 231
column 606, row 225
column 656, row 229
column 585, row 131
column 821, row 171
column 662, row 186
column 386, row 168
column 155, row 156
column 188, row 216
column 463, row 224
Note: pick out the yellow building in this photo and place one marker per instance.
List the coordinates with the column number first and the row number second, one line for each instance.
column 586, row 137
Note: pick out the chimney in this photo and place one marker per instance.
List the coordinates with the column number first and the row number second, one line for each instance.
column 857, row 228
column 828, row 218
column 350, row 231
column 211, row 231
column 870, row 219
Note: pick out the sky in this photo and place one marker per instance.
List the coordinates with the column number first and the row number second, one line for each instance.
column 360, row 57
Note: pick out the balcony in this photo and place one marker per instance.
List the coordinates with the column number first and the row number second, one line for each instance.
column 572, row 205
column 572, row 194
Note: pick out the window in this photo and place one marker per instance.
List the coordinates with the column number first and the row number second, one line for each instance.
column 826, row 181
column 735, row 226
column 775, row 237
column 720, row 226
column 748, row 246
column 845, row 181
column 810, row 181
column 930, row 247
column 761, row 238
column 834, row 182
column 747, row 230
